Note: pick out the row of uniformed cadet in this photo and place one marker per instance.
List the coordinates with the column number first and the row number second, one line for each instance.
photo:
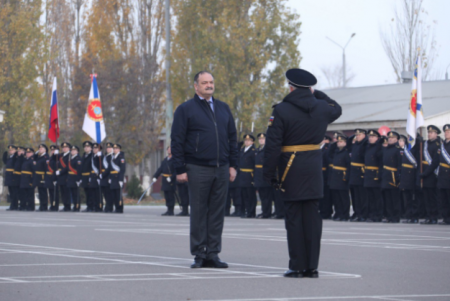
column 101, row 176
column 385, row 178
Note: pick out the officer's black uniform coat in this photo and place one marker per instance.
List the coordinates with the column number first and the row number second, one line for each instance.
column 17, row 170
column 50, row 168
column 340, row 158
column 106, row 163
column 165, row 170
column 63, row 167
column 373, row 157
column 246, row 162
column 40, row 168
column 86, row 170
column 95, row 161
column 357, row 151
column 258, row 174
column 26, row 177
column 430, row 179
column 74, row 173
column 393, row 159
column 9, row 168
column 118, row 175
column 408, row 175
column 301, row 119
column 443, row 178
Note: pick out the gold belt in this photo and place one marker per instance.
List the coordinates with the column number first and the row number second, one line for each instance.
column 258, row 166
column 17, row 173
column 299, row 148
column 246, row 170
column 372, row 167
column 331, row 165
column 408, row 165
column 324, row 168
column 357, row 164
column 390, row 168
column 393, row 170
column 424, row 162
column 344, row 169
column 27, row 172
column 445, row 165
column 85, row 173
column 40, row 172
column 114, row 172
column 10, row 169
column 72, row 173
column 49, row 172
column 166, row 175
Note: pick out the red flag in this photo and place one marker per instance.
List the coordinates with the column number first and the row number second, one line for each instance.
column 53, row 130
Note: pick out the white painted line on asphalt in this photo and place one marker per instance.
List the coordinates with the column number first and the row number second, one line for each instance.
column 59, row 264
column 34, row 225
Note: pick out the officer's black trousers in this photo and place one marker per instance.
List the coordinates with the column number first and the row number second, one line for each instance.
column 28, row 199
column 279, row 204
column 375, row 201
column 117, row 200
column 341, row 199
column 170, row 198
column 234, row 193
column 54, row 198
column 248, row 195
column 14, row 196
column 75, row 197
column 97, row 200
column 266, row 194
column 411, row 204
column 326, row 204
column 431, row 203
column 43, row 199
column 392, row 201
column 360, row 202
column 22, row 198
column 183, row 193
column 89, row 193
column 65, row 195
column 421, row 201
column 444, row 197
column 304, row 232
column 354, row 203
column 106, row 191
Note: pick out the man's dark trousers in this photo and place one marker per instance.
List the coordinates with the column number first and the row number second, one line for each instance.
column 208, row 188
column 304, row 228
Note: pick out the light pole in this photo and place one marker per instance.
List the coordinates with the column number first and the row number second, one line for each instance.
column 344, row 78
column 169, row 102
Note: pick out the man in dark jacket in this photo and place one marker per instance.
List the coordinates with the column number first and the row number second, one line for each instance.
column 74, row 178
column 116, row 177
column 265, row 190
column 17, row 177
column 9, row 159
column 205, row 155
column 408, row 181
column 373, row 159
column 104, row 178
column 246, row 173
column 96, row 162
column 295, row 131
column 86, row 180
column 50, row 178
column 40, row 168
column 167, row 171
column 62, row 173
column 26, row 181
column 444, row 176
column 357, row 151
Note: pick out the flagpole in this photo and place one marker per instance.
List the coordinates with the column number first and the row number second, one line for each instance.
column 421, row 158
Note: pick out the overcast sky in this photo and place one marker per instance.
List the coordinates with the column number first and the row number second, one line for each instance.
column 338, row 19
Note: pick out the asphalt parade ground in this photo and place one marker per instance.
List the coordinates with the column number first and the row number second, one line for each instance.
column 140, row 255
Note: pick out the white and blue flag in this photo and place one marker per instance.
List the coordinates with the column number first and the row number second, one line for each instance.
column 94, row 124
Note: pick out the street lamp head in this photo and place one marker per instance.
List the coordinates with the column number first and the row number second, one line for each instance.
column 353, row 35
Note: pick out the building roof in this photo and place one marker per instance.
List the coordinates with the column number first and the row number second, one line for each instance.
column 389, row 102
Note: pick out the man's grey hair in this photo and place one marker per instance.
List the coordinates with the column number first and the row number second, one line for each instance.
column 200, row 73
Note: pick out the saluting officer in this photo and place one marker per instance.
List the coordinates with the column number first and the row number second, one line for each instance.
column 74, row 177
column 325, row 203
column 17, row 175
column 373, row 161
column 40, row 167
column 296, row 129
column 9, row 159
column 390, row 178
column 339, row 157
column 265, row 190
column 104, row 178
column 246, row 172
column 357, row 151
column 26, row 181
column 95, row 180
column 116, row 177
column 86, row 180
column 429, row 176
column 62, row 172
column 50, row 178
column 168, row 182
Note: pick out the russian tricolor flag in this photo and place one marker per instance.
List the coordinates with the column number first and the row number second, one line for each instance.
column 53, row 129
column 93, row 123
column 415, row 112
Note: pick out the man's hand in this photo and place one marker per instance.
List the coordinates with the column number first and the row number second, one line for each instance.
column 183, row 178
column 121, row 184
column 57, row 172
column 232, row 174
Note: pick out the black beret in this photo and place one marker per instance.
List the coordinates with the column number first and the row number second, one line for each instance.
column 87, row 143
column 12, row 147
column 393, row 134
column 117, row 145
column 373, row 133
column 97, row 145
column 248, row 136
column 66, row 144
column 360, row 131
column 404, row 138
column 76, row 147
column 109, row 144
column 44, row 146
column 261, row 135
column 300, row 78
column 30, row 150
column 341, row 137
column 433, row 128
column 446, row 127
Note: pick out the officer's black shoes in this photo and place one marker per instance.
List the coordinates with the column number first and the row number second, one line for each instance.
column 293, row 274
column 311, row 273
column 445, row 222
column 429, row 222
column 358, row 219
column 373, row 220
column 215, row 263
column 386, row 221
column 167, row 213
column 354, row 219
column 75, row 210
column 198, row 263
column 10, row 209
column 183, row 213
column 87, row 210
column 121, row 211
column 236, row 214
column 411, row 221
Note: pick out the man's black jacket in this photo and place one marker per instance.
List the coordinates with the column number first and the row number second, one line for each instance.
column 203, row 137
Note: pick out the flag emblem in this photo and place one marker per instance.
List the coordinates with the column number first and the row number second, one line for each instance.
column 415, row 115
column 94, row 110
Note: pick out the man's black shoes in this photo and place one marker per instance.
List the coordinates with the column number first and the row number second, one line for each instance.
column 311, row 273
column 215, row 263
column 167, row 213
column 293, row 274
column 429, row 222
column 198, row 263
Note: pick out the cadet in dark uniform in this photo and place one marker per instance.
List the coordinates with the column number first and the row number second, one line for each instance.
column 183, row 193
column 325, row 204
column 16, row 179
column 444, row 176
column 359, row 201
column 26, row 181
column 50, row 178
column 95, row 180
column 246, row 173
column 430, row 153
column 373, row 162
column 74, row 178
column 390, row 178
column 40, row 168
column 117, row 176
column 296, row 129
column 9, row 159
column 86, row 180
column 104, row 178
column 62, row 172
column 168, row 182
column 408, row 182
column 339, row 157
column 265, row 190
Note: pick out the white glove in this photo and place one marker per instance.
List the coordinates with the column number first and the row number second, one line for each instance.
column 90, row 180
column 109, row 181
column 99, row 154
column 57, row 172
column 121, row 184
column 154, row 180
column 168, row 179
column 78, row 183
column 56, row 152
column 54, row 183
column 98, row 181
column 100, row 176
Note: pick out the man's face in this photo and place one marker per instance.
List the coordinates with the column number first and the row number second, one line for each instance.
column 116, row 150
column 29, row 154
column 12, row 151
column 87, row 149
column 74, row 152
column 401, row 143
column 447, row 135
column 42, row 150
column 341, row 143
column 20, row 152
column 262, row 140
column 109, row 150
column 432, row 135
column 248, row 142
column 66, row 149
column 169, row 151
column 205, row 85
column 392, row 140
column 373, row 139
column 360, row 137
column 96, row 149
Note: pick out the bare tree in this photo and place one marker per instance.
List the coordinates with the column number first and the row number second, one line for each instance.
column 333, row 75
column 409, row 35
